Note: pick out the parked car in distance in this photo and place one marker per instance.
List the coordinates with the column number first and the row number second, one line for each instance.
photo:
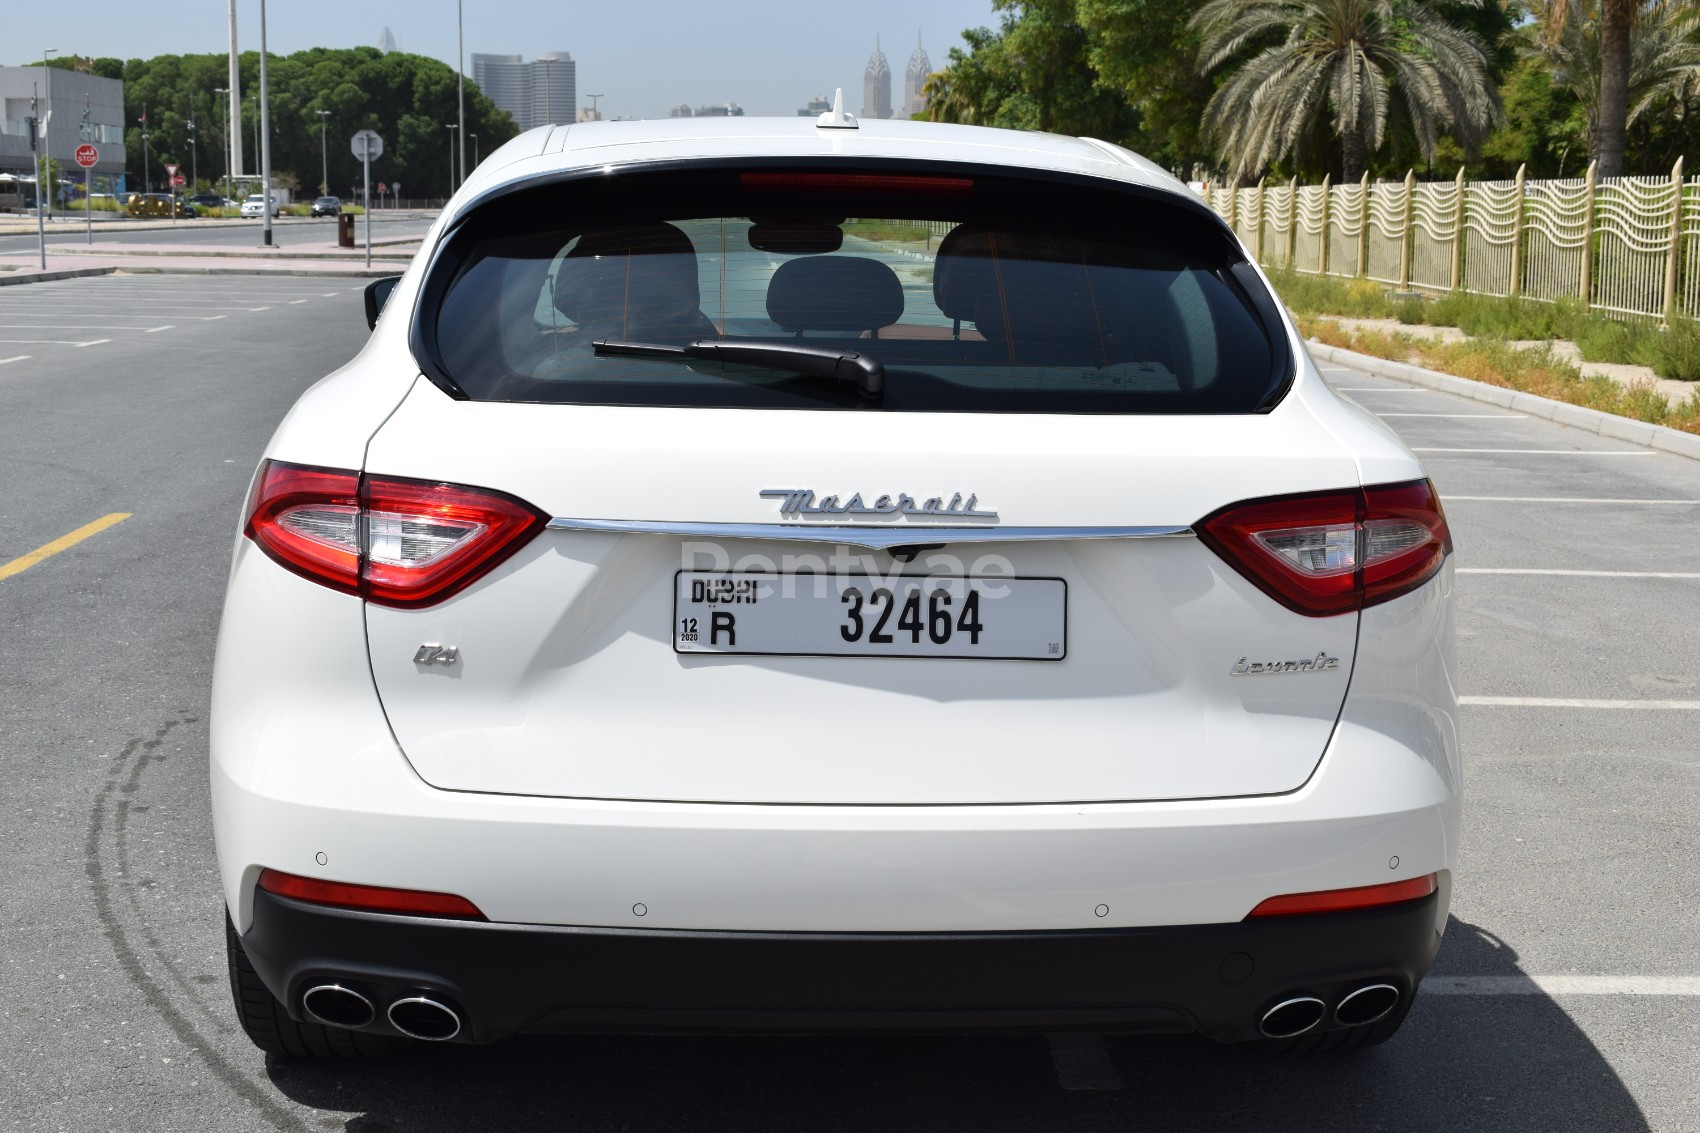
column 207, row 201
column 156, row 204
column 696, row 610
column 327, row 206
column 255, row 206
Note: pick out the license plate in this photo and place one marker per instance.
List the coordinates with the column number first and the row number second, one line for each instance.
column 850, row 615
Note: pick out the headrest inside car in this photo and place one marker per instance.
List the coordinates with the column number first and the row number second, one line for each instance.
column 846, row 294
column 796, row 236
column 614, row 271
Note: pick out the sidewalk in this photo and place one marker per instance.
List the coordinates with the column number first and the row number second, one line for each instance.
column 325, row 258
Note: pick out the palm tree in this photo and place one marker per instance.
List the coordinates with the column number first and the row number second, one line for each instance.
column 1664, row 57
column 1617, row 17
column 1346, row 64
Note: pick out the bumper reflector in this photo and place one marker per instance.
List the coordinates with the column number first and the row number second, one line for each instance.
column 1342, row 900
column 369, row 898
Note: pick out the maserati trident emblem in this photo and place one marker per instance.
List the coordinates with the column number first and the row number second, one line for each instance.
column 1321, row 663
column 797, row 503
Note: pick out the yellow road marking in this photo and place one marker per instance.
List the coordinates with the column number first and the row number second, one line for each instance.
column 64, row 542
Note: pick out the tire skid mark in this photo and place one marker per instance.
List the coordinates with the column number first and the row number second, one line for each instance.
column 130, row 962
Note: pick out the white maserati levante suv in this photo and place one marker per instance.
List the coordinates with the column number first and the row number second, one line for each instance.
column 769, row 575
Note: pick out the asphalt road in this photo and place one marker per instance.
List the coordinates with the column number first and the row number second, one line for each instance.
column 286, row 231
column 1566, row 996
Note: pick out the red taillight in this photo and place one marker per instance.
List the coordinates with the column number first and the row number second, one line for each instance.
column 371, row 898
column 1327, row 553
column 394, row 542
column 1341, row 900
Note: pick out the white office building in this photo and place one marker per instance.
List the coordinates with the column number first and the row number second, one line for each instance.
column 542, row 92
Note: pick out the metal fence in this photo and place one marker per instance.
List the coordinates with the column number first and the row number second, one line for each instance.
column 1624, row 245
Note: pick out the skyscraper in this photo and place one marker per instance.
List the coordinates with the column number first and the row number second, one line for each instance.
column 876, row 85
column 542, row 92
column 914, row 78
column 386, row 42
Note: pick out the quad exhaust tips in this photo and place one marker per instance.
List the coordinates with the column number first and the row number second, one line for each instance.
column 1366, row 1005
column 1292, row 1017
column 338, row 1006
column 420, row 1017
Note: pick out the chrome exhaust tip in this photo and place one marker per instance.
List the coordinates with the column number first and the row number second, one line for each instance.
column 1366, row 1005
column 1292, row 1017
column 338, row 1006
column 419, row 1017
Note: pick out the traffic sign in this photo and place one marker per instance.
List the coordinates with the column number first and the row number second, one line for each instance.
column 367, row 145
column 171, row 170
column 382, row 188
column 87, row 155
column 179, row 180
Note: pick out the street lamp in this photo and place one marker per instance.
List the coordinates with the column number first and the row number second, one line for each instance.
column 460, row 87
column 452, row 139
column 324, row 152
column 475, row 151
column 46, row 162
column 225, row 133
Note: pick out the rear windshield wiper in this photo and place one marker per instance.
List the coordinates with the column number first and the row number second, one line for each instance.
column 814, row 361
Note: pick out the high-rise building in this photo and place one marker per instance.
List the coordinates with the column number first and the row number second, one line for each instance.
column 542, row 92
column 386, row 42
column 815, row 107
column 876, row 85
column 683, row 110
column 915, row 78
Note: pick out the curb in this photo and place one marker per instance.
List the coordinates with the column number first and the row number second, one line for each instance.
column 8, row 279
column 323, row 272
column 1610, row 425
column 257, row 251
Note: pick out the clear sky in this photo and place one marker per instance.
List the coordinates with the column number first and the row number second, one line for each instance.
column 643, row 55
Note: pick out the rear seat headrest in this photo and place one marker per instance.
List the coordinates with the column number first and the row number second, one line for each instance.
column 847, row 294
column 613, row 271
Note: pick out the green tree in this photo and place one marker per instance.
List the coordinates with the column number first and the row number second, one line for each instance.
column 1323, row 73
column 1568, row 39
column 1145, row 49
column 1033, row 73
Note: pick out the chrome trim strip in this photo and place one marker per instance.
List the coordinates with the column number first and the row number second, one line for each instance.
column 876, row 538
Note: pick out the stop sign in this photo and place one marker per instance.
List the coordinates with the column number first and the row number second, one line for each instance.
column 87, row 155
column 382, row 188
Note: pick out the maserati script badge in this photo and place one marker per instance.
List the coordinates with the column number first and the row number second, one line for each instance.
column 799, row 502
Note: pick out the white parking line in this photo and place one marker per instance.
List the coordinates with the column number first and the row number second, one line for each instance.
column 58, row 309
column 14, row 358
column 1380, row 389
column 1564, row 500
column 1083, row 1062
column 51, row 342
column 1470, row 416
column 1580, row 573
column 1547, row 451
column 1561, row 985
column 1568, row 702
column 52, row 326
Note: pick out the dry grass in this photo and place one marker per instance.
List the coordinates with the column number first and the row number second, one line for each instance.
column 1533, row 371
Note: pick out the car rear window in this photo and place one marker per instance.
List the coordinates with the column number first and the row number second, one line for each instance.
column 976, row 293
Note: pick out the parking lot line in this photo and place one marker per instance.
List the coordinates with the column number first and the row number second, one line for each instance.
column 1570, row 702
column 52, row 341
column 1548, row 451
column 1464, row 416
column 1580, row 573
column 1380, row 389
column 1565, row 500
column 39, row 326
column 1561, row 985
column 14, row 358
column 64, row 542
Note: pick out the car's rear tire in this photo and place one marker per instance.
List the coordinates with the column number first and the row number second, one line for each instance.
column 1340, row 1040
column 268, row 1025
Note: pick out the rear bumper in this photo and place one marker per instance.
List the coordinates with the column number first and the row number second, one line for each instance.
column 505, row 979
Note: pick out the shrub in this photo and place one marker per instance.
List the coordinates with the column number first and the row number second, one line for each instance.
column 1673, row 352
column 1306, row 294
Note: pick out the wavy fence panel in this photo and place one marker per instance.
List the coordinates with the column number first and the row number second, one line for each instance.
column 1246, row 220
column 1307, row 252
column 1688, row 282
column 1386, row 241
column 1278, row 218
column 1632, row 218
column 1490, row 230
column 1555, row 230
column 1434, row 234
column 1347, row 213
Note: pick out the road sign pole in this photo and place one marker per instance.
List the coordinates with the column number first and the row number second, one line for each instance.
column 366, row 202
column 88, row 200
